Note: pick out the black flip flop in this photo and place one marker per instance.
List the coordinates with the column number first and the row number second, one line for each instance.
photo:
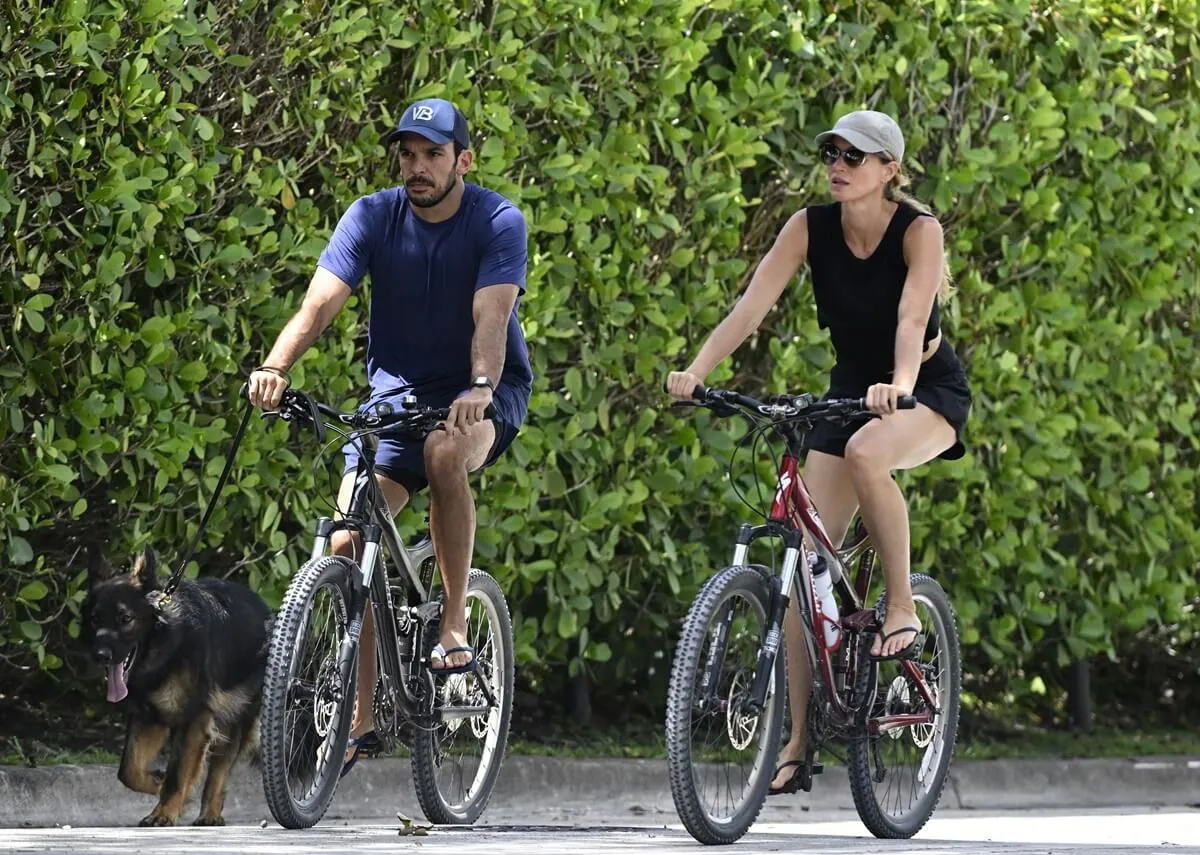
column 442, row 653
column 366, row 745
column 799, row 780
column 912, row 651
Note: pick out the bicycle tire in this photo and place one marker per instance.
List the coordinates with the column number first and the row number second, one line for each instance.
column 750, row 581
column 292, row 620
column 858, row 758
column 425, row 757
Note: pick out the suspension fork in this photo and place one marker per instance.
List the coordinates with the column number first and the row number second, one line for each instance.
column 781, row 590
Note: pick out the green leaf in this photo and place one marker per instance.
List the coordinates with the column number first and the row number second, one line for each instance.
column 193, row 372
column 156, row 329
column 59, row 472
column 33, row 592
column 19, row 550
column 232, row 254
column 32, row 630
column 553, row 483
column 135, row 378
column 111, row 267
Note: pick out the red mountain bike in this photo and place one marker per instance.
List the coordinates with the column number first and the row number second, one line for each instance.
column 897, row 719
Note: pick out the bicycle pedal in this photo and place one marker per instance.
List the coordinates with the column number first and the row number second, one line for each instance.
column 863, row 620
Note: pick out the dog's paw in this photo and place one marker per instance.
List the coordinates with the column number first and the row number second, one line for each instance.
column 156, row 819
column 210, row 820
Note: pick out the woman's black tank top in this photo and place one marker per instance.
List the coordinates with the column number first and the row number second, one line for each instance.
column 858, row 299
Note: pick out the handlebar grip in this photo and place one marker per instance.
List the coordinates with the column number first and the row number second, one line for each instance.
column 700, row 392
column 244, row 392
column 906, row 402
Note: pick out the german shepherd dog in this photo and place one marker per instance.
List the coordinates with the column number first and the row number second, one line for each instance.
column 189, row 670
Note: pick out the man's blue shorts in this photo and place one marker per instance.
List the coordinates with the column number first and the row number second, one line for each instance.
column 403, row 461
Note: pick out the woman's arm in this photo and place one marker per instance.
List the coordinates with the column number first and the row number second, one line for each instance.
column 774, row 272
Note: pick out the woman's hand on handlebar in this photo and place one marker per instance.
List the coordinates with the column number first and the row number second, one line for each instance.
column 681, row 384
column 882, row 397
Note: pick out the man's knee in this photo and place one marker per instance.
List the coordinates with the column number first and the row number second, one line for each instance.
column 446, row 456
column 343, row 542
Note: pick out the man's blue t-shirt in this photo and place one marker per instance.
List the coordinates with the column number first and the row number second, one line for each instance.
column 423, row 282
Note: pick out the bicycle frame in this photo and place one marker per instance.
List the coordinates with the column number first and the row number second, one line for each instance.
column 793, row 514
column 399, row 635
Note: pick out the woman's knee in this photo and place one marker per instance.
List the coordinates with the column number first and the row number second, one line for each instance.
column 832, row 492
column 868, row 457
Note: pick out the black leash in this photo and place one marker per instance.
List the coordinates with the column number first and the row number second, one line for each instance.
column 177, row 576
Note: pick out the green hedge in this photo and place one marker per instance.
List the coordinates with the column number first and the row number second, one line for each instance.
column 170, row 171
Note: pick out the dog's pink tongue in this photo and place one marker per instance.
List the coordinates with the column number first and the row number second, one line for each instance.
column 117, row 690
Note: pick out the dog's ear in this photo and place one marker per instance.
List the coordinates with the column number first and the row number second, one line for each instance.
column 145, row 570
column 99, row 570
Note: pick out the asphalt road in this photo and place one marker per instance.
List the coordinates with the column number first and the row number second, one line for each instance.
column 587, row 832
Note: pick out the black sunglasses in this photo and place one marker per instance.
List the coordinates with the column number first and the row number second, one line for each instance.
column 853, row 157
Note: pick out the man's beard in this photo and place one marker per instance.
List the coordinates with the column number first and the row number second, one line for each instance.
column 438, row 196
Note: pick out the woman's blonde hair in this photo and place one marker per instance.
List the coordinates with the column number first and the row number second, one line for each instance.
column 894, row 192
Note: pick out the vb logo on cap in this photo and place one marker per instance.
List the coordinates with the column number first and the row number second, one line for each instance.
column 435, row 119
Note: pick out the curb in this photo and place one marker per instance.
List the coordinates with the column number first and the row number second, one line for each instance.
column 90, row 795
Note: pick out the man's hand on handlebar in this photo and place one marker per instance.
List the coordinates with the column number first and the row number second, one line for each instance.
column 681, row 385
column 266, row 387
column 468, row 409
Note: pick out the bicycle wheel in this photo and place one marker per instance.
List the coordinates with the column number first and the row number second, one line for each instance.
column 308, row 693
column 734, row 738
column 897, row 777
column 455, row 763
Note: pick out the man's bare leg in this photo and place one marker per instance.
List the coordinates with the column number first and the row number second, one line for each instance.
column 449, row 458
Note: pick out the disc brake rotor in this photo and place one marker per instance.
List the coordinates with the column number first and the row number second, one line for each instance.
column 740, row 727
column 325, row 699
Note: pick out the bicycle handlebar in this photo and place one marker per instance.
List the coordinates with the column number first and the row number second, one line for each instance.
column 791, row 406
column 298, row 406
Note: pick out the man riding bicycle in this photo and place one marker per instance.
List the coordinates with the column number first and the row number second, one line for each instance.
column 447, row 261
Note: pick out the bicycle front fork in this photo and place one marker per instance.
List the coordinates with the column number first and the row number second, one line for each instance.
column 360, row 586
column 782, row 587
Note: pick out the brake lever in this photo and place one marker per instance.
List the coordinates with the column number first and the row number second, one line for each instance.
column 315, row 415
column 722, row 409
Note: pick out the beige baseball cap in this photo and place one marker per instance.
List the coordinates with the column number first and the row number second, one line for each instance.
column 868, row 131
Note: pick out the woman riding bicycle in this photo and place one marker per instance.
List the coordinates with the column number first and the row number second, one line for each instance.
column 877, row 263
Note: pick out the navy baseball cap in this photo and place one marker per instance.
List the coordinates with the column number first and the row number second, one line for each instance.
column 437, row 120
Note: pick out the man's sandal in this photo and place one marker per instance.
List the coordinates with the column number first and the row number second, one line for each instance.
column 441, row 653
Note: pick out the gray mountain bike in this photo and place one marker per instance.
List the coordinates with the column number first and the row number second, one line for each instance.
column 312, row 667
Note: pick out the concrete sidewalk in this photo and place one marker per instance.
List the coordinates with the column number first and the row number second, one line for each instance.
column 538, row 787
